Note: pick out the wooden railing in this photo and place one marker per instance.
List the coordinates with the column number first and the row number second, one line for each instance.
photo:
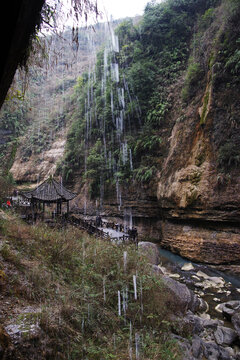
column 91, row 228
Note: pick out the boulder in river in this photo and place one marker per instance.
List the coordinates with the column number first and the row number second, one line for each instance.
column 224, row 335
column 157, row 270
column 187, row 267
column 202, row 274
column 212, row 323
column 212, row 351
column 197, row 347
column 229, row 308
column 185, row 298
column 236, row 322
column 211, row 283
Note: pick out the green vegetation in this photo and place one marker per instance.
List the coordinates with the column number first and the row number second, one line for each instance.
column 205, row 108
column 74, row 281
column 6, row 186
column 12, row 125
column 193, row 77
column 229, row 155
column 226, row 79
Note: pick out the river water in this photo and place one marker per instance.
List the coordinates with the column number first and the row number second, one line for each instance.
column 169, row 259
column 229, row 288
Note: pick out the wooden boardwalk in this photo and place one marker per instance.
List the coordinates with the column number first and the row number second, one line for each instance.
column 106, row 233
column 107, row 230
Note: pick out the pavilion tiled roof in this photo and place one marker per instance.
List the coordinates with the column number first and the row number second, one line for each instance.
column 50, row 191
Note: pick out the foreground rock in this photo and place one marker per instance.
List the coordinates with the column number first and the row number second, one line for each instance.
column 187, row 267
column 209, row 339
column 151, row 252
column 236, row 322
column 228, row 309
column 185, row 298
column 225, row 336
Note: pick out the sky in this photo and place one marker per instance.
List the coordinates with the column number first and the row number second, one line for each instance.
column 116, row 8
column 123, row 8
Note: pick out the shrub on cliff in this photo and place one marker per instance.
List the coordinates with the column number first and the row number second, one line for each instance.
column 229, row 155
column 194, row 75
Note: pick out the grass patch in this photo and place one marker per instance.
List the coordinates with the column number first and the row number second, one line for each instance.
column 90, row 308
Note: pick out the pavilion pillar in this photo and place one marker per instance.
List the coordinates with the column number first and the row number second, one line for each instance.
column 67, row 206
column 43, row 209
column 32, row 209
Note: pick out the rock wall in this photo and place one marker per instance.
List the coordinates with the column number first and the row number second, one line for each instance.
column 199, row 184
column 207, row 243
column 35, row 169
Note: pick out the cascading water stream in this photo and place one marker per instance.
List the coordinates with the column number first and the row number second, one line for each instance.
column 135, row 286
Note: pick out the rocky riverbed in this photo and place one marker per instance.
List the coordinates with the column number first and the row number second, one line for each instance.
column 210, row 307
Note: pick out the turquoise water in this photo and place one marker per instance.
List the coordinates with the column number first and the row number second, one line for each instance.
column 168, row 256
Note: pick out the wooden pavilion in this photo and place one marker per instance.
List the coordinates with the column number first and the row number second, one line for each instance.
column 49, row 192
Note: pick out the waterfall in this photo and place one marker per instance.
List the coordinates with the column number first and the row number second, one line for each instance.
column 124, row 153
column 125, row 261
column 115, row 72
column 119, row 303
column 135, row 286
column 109, row 102
column 130, row 340
column 130, row 159
column 137, row 344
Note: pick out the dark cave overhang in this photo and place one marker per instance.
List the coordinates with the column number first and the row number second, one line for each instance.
column 19, row 19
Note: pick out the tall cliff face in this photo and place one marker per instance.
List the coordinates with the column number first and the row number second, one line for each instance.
column 199, row 182
column 40, row 123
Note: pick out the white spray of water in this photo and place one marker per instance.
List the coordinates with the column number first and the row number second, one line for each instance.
column 141, row 295
column 115, row 72
column 125, row 261
column 124, row 304
column 115, row 41
column 119, row 303
column 130, row 218
column 112, row 106
column 88, row 312
column 124, row 153
column 135, row 286
column 137, row 343
column 130, row 341
column 121, row 98
column 130, row 159
column 120, row 201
